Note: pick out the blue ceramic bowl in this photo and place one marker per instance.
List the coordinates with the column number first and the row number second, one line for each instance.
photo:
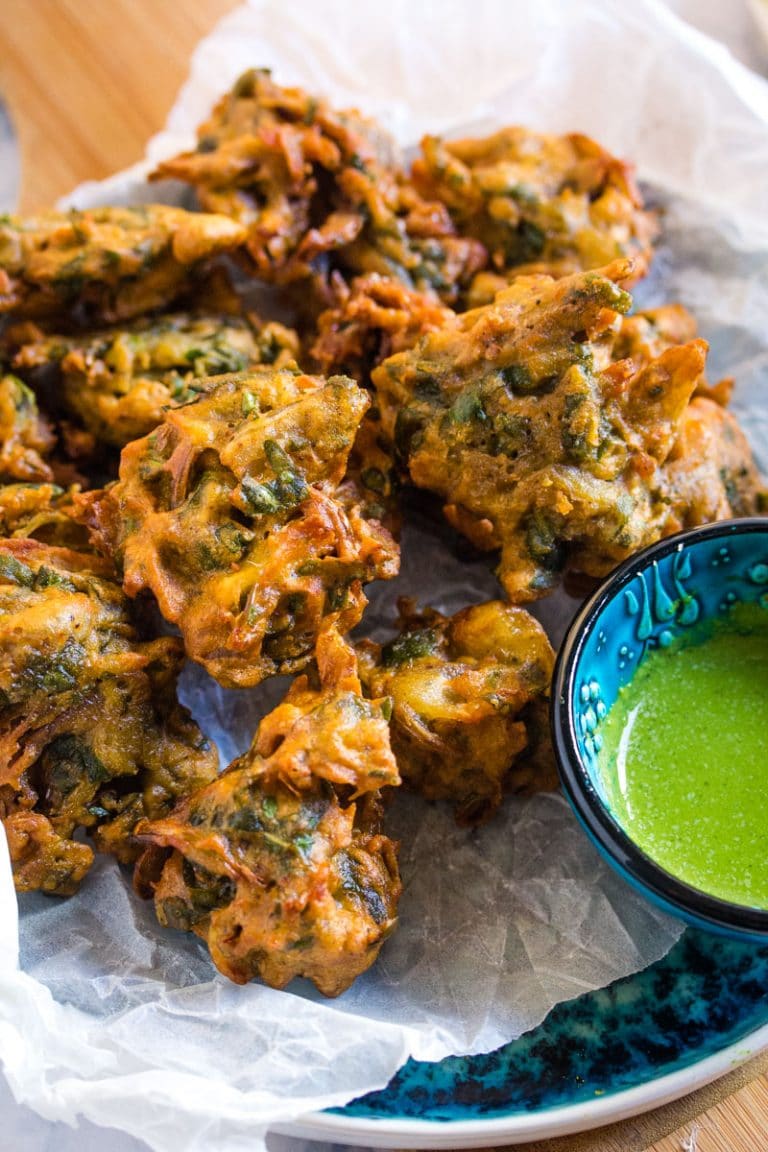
column 653, row 598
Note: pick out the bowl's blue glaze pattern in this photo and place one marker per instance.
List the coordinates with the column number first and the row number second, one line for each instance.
column 696, row 582
column 686, row 583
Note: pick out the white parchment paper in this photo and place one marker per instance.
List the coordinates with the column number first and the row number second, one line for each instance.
column 105, row 1015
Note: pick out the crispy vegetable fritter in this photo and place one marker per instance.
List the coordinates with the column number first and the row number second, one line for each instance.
column 317, row 189
column 31, row 504
column 370, row 321
column 710, row 474
column 541, row 445
column 645, row 335
column 539, row 203
column 118, row 382
column 276, row 865
column 91, row 733
column 464, row 689
column 41, row 512
column 25, row 436
column 106, row 264
column 229, row 514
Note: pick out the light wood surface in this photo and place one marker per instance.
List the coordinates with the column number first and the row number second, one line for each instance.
column 88, row 82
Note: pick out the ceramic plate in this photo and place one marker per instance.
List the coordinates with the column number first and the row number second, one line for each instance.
column 632, row 1046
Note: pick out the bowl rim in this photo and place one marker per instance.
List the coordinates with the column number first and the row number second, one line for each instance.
column 618, row 847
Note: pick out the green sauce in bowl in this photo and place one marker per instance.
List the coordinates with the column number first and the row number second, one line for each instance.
column 684, row 758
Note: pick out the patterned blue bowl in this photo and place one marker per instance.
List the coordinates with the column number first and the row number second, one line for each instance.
column 653, row 598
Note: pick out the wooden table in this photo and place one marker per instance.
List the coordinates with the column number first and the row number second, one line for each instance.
column 88, row 81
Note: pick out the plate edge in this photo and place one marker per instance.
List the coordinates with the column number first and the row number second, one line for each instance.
column 563, row 1120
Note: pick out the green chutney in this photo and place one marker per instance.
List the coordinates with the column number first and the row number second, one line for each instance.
column 684, row 759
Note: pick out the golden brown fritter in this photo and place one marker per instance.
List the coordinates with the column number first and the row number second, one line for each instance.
column 41, row 512
column 276, row 865
column 539, row 444
column 538, row 202
column 645, row 335
column 325, row 729
column 710, row 473
column 32, row 504
column 228, row 513
column 371, row 478
column 118, row 382
column 462, row 690
column 318, row 189
column 372, row 319
column 91, row 733
column 106, row 264
column 26, row 438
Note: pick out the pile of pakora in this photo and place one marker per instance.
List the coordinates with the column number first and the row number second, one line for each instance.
column 183, row 478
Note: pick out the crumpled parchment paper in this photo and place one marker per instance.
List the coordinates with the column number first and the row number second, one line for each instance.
column 104, row 1014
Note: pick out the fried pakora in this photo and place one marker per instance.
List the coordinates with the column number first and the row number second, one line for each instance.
column 465, row 691
column 26, row 438
column 372, row 319
column 31, row 504
column 41, row 512
column 118, row 382
column 539, row 442
column 280, row 865
column 538, row 203
column 710, row 473
column 229, row 515
column 645, row 335
column 106, row 264
column 91, row 733
column 319, row 189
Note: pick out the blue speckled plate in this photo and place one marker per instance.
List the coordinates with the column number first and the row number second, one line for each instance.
column 607, row 1055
